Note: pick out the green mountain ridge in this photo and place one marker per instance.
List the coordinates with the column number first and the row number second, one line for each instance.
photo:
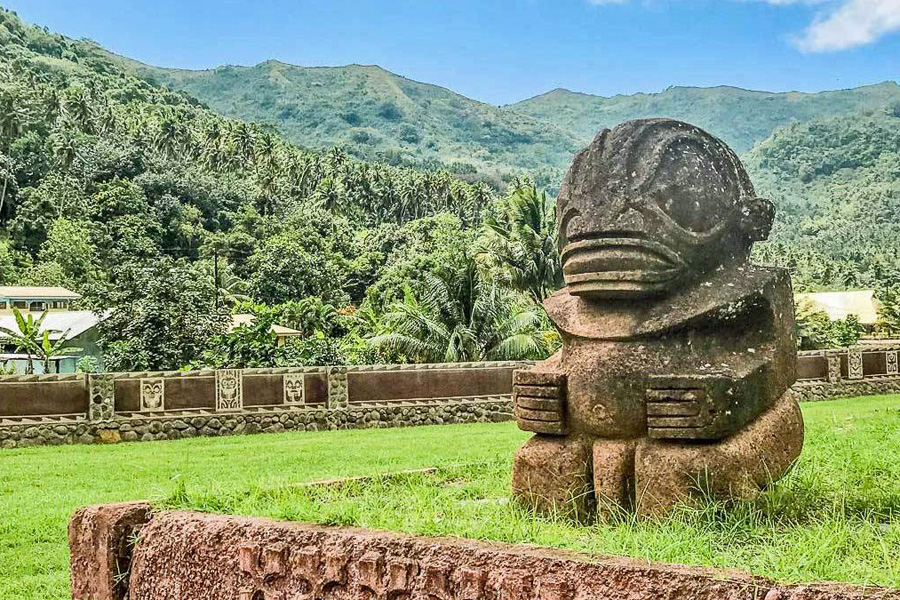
column 740, row 117
column 376, row 114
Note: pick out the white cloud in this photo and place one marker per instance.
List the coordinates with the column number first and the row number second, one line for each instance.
column 786, row 2
column 839, row 24
column 852, row 23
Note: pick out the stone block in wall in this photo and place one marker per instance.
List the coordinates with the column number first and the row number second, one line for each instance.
column 100, row 545
column 854, row 364
column 338, row 396
column 834, row 367
column 891, row 363
column 102, row 396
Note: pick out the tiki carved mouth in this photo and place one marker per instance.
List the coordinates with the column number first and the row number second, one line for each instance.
column 619, row 266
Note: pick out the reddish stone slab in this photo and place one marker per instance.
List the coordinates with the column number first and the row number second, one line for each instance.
column 100, row 549
column 208, row 557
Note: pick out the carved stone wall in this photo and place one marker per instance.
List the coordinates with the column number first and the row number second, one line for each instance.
column 864, row 370
column 171, row 405
column 210, row 557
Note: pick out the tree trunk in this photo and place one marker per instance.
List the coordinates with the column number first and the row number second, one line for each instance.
column 29, row 366
column 3, row 196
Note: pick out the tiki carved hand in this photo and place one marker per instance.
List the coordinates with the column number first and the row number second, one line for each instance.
column 705, row 407
column 539, row 398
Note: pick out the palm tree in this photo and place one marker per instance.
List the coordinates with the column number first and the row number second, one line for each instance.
column 461, row 317
column 13, row 112
column 27, row 338
column 243, row 140
column 520, row 242
column 65, row 147
column 169, row 137
column 213, row 146
column 80, row 108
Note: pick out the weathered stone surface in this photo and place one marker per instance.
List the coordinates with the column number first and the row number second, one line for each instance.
column 206, row 557
column 674, row 345
column 739, row 466
column 100, row 540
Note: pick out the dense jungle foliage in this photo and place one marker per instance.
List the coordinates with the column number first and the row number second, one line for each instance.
column 836, row 183
column 148, row 203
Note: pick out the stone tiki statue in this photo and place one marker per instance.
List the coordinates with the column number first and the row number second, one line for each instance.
column 677, row 352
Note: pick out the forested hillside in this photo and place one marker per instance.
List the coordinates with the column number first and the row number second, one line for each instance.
column 836, row 183
column 740, row 117
column 152, row 205
column 147, row 202
column 376, row 114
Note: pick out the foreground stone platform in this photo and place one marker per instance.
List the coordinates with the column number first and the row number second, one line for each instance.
column 180, row 555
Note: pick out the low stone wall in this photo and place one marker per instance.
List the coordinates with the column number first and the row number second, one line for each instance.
column 814, row 391
column 183, row 555
column 865, row 370
column 113, row 407
column 188, row 425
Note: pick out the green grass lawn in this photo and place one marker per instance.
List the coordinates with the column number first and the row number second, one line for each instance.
column 835, row 516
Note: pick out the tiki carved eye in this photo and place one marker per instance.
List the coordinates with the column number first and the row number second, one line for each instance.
column 691, row 190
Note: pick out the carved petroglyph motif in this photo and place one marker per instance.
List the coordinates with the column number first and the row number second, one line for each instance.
column 854, row 364
column 264, row 568
column 277, row 571
column 891, row 363
column 229, row 390
column 153, row 394
column 555, row 589
column 294, row 389
column 470, row 584
column 102, row 392
column 369, row 572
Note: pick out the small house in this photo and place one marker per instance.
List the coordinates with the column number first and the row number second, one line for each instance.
column 79, row 325
column 840, row 305
column 281, row 332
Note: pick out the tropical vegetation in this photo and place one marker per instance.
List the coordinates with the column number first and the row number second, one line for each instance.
column 150, row 204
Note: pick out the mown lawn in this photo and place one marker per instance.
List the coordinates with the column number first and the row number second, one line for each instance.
column 835, row 516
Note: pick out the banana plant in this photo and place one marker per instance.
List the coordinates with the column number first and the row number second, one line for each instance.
column 27, row 339
column 48, row 349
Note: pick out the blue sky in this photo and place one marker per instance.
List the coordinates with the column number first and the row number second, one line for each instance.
column 501, row 51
